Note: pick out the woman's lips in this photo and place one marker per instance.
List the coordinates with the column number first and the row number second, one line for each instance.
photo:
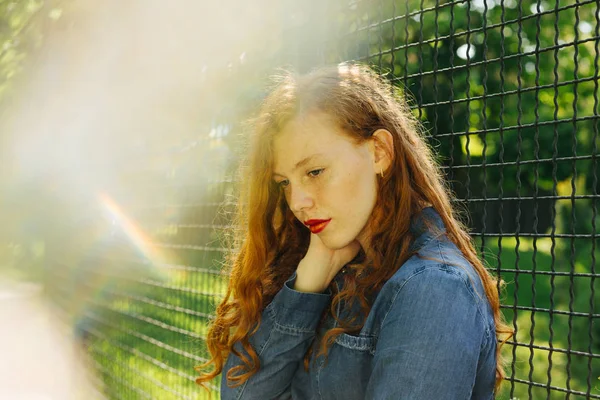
column 317, row 228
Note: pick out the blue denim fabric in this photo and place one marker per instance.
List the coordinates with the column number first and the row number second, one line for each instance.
column 429, row 335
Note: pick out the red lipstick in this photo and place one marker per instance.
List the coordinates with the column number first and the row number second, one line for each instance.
column 317, row 225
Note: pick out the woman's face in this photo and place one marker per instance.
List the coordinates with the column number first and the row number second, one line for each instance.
column 326, row 176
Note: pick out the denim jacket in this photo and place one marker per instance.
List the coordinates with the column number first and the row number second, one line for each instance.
column 430, row 334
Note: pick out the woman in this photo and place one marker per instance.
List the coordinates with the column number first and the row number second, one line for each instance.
column 353, row 279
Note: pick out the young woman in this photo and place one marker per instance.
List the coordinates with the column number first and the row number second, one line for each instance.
column 353, row 278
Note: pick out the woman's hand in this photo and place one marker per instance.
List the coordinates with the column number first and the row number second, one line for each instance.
column 320, row 264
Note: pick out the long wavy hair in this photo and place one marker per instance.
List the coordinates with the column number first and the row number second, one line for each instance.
column 270, row 242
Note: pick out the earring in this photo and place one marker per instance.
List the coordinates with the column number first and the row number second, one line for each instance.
column 381, row 172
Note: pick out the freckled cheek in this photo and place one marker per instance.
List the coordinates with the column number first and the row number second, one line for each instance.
column 361, row 193
column 345, row 191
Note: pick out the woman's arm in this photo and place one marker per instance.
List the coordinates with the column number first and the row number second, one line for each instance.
column 430, row 340
column 286, row 330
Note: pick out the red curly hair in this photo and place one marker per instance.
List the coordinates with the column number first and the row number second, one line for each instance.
column 270, row 242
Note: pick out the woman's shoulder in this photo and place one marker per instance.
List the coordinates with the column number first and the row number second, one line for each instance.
column 419, row 275
column 440, row 270
column 440, row 257
column 434, row 290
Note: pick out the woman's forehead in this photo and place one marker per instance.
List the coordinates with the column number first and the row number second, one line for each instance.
column 307, row 140
column 302, row 138
column 310, row 121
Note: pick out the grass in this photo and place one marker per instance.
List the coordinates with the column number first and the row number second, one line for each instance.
column 547, row 328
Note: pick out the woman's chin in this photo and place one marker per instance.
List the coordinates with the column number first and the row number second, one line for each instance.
column 336, row 243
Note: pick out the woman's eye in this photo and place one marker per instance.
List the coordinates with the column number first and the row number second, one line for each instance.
column 284, row 183
column 315, row 172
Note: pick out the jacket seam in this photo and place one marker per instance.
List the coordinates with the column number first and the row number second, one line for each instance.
column 473, row 294
column 429, row 239
column 286, row 328
column 290, row 330
column 262, row 349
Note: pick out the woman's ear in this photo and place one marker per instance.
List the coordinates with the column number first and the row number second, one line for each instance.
column 383, row 150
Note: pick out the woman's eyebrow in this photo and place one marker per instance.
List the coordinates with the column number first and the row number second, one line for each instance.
column 302, row 162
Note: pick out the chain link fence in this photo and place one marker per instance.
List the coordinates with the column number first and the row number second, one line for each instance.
column 508, row 93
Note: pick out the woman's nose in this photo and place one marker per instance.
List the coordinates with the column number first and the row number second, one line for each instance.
column 300, row 199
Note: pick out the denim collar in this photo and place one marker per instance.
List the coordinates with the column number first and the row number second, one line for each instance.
column 426, row 225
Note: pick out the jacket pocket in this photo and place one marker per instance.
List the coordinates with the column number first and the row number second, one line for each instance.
column 359, row 343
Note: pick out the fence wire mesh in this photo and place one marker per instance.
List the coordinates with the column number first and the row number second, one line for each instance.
column 508, row 93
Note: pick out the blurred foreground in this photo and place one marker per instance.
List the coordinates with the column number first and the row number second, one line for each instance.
column 40, row 361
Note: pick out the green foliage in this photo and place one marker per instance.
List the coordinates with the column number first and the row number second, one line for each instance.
column 20, row 33
column 532, row 286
